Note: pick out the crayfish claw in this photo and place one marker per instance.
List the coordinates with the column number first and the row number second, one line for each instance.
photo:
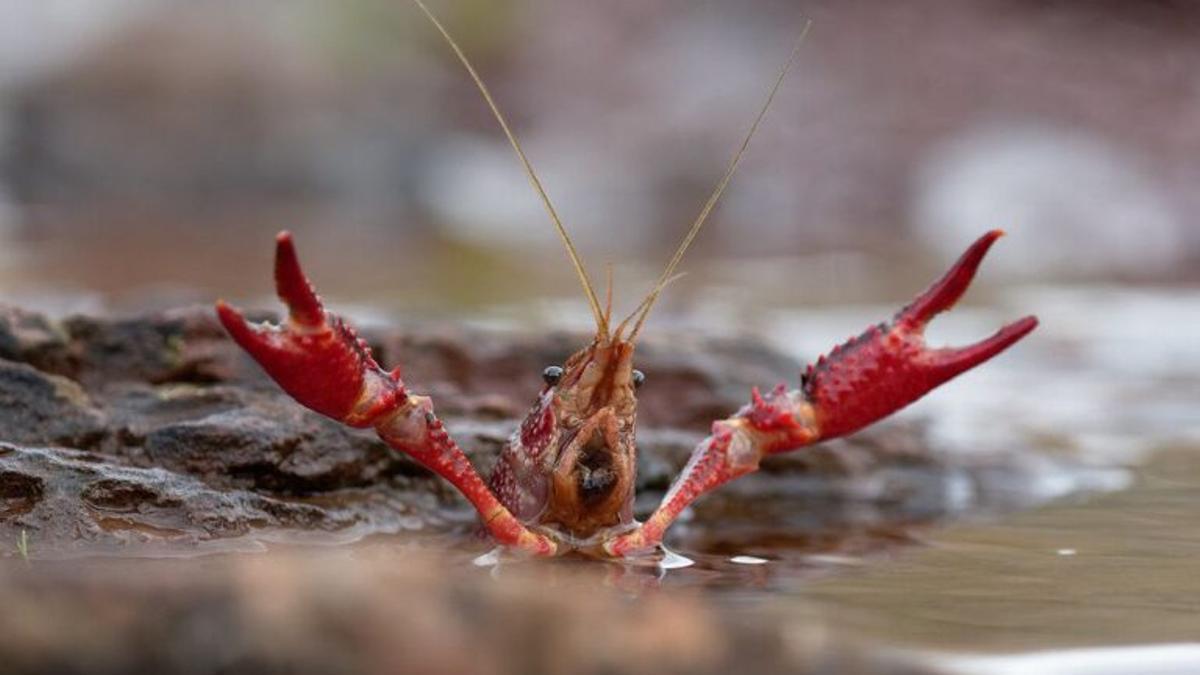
column 950, row 361
column 946, row 291
column 319, row 360
column 889, row 366
column 315, row 356
column 296, row 291
column 251, row 338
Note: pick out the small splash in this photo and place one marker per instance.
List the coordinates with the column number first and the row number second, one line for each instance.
column 489, row 559
column 748, row 560
column 1066, row 551
column 673, row 561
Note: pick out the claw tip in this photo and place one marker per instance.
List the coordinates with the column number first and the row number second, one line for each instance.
column 992, row 235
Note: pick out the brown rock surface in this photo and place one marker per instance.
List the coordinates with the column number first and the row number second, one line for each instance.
column 155, row 434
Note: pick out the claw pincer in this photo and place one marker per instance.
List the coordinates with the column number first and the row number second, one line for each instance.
column 320, row 361
column 315, row 357
column 888, row 366
column 865, row 379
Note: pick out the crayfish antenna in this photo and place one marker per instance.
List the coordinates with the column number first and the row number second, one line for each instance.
column 643, row 309
column 584, row 279
column 608, row 293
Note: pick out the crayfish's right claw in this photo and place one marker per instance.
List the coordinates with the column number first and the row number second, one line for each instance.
column 315, row 357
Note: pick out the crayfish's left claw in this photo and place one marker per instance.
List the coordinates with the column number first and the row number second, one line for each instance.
column 889, row 366
column 941, row 296
column 859, row 382
column 946, row 291
column 948, row 362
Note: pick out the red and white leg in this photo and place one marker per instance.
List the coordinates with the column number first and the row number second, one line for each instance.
column 320, row 361
column 864, row 380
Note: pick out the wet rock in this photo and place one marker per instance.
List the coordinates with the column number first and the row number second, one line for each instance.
column 37, row 407
column 32, row 338
column 169, row 347
column 159, row 432
column 73, row 503
column 267, row 445
column 19, row 493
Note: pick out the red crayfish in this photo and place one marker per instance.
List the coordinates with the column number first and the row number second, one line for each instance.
column 565, row 480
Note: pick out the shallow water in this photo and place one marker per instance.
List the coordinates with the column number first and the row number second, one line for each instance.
column 1111, row 380
column 1112, row 569
column 1106, row 398
column 1097, row 418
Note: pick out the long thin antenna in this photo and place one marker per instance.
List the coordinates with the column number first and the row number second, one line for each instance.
column 608, row 293
column 646, row 305
column 601, row 320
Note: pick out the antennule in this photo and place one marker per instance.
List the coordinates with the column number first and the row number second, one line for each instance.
column 597, row 313
column 647, row 304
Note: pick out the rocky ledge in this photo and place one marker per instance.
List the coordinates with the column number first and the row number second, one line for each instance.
column 156, row 435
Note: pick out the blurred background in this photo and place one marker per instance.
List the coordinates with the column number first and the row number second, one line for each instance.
column 149, row 149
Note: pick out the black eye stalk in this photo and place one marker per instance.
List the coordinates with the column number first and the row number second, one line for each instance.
column 638, row 378
column 552, row 374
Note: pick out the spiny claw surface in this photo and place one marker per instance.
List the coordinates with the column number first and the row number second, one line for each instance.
column 315, row 356
column 323, row 364
column 889, row 365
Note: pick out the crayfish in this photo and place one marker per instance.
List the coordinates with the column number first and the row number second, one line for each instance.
column 565, row 480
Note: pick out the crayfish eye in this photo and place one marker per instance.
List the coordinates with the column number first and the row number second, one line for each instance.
column 552, row 374
column 638, row 378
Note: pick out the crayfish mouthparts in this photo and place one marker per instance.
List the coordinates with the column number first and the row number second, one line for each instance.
column 591, row 487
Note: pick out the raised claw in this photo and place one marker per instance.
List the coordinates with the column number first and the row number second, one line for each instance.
column 323, row 364
column 315, row 356
column 859, row 382
column 293, row 287
column 889, row 365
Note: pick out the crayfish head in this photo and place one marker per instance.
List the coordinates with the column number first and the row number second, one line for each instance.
column 591, row 462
